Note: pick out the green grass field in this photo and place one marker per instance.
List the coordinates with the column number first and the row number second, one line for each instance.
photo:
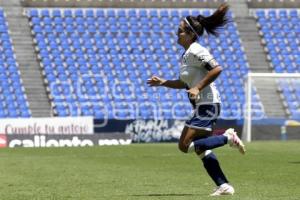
column 270, row 170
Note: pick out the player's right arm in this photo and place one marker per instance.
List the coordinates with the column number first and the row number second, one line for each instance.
column 157, row 81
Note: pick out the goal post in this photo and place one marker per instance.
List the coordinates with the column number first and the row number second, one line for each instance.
column 292, row 80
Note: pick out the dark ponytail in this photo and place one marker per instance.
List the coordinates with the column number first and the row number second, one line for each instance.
column 210, row 24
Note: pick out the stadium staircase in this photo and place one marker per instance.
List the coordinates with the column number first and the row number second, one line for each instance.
column 27, row 59
column 257, row 58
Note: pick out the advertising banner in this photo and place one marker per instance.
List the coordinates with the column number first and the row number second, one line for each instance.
column 53, row 125
column 13, row 141
column 154, row 130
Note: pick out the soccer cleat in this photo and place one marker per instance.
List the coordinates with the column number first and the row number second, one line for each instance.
column 234, row 140
column 224, row 189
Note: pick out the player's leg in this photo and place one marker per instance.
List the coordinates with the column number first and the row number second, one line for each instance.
column 199, row 128
column 212, row 142
column 188, row 135
column 198, row 140
column 208, row 158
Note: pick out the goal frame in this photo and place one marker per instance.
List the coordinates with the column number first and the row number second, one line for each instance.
column 247, row 127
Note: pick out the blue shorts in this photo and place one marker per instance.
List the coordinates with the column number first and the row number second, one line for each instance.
column 204, row 117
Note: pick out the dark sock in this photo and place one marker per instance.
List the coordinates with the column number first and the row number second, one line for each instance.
column 214, row 170
column 210, row 142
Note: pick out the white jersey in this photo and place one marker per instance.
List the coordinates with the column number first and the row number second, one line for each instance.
column 196, row 63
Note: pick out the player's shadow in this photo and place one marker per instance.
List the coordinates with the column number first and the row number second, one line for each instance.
column 295, row 162
column 164, row 195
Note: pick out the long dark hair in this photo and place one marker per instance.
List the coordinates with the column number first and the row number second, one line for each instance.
column 210, row 24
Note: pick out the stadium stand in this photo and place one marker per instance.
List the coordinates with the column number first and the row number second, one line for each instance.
column 273, row 4
column 290, row 93
column 280, row 31
column 116, row 50
column 13, row 101
column 125, row 3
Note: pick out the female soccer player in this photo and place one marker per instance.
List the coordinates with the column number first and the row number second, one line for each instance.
column 197, row 72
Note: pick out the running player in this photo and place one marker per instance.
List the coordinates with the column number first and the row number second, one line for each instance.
column 197, row 72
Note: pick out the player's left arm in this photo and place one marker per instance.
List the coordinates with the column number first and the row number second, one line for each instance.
column 209, row 78
column 214, row 70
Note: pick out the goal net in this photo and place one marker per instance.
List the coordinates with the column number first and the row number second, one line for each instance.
column 272, row 106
